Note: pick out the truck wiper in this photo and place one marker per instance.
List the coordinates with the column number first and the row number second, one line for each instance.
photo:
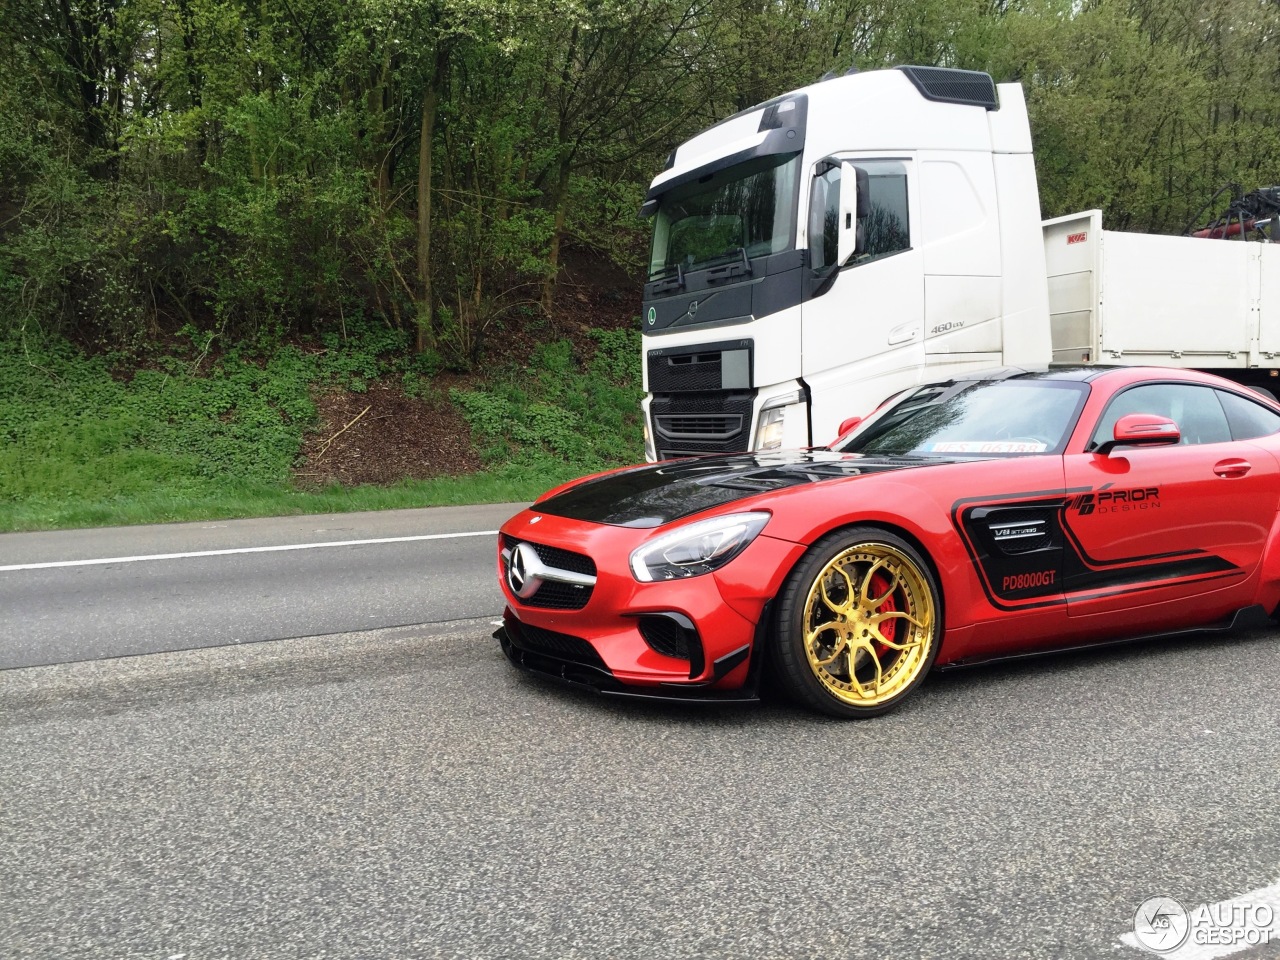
column 671, row 283
column 741, row 266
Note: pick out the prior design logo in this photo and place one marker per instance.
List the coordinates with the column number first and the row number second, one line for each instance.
column 1161, row 924
column 1104, row 500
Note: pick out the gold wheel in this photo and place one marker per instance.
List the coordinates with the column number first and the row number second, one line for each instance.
column 869, row 624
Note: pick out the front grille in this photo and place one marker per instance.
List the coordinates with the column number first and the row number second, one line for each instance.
column 724, row 410
column 559, row 596
column 556, row 557
column 695, row 427
column 549, row 643
column 690, row 372
column 554, row 595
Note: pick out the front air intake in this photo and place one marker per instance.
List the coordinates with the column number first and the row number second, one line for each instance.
column 673, row 635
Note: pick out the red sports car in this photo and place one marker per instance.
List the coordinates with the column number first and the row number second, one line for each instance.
column 963, row 521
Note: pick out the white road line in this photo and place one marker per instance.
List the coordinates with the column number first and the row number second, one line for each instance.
column 226, row 553
column 1226, row 927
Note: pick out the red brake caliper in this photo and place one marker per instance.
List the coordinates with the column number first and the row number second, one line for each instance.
column 879, row 584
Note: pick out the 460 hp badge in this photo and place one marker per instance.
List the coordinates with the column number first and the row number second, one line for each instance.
column 1116, row 501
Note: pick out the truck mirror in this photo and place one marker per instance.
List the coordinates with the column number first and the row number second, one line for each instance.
column 847, row 229
column 855, row 204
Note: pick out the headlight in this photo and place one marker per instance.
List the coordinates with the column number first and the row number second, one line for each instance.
column 769, row 429
column 697, row 548
column 772, row 418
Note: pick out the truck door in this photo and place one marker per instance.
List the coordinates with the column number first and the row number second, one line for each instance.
column 1154, row 525
column 862, row 326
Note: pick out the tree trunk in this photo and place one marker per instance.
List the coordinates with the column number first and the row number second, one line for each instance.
column 553, row 254
column 426, row 137
column 426, row 306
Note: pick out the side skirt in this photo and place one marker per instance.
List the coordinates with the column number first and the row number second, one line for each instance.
column 1244, row 618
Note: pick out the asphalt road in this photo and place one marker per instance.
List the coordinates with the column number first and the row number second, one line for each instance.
column 404, row 793
column 56, row 614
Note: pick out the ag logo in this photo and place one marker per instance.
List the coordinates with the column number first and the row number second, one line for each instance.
column 1161, row 924
column 524, row 573
column 653, row 316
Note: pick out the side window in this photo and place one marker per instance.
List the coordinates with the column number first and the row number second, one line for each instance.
column 1248, row 419
column 886, row 228
column 1194, row 409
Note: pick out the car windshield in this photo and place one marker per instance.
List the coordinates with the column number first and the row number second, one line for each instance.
column 1002, row 418
column 749, row 207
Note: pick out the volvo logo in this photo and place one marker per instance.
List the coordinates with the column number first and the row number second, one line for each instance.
column 524, row 573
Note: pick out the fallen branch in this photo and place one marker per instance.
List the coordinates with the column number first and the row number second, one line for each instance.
column 324, row 447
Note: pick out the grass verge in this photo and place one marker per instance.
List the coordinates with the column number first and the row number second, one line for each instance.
column 182, row 439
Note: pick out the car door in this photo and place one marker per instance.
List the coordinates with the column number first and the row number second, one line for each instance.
column 1155, row 524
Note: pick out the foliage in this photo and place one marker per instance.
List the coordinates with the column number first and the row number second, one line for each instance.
column 557, row 409
column 276, row 169
column 72, row 428
column 393, row 180
column 186, row 437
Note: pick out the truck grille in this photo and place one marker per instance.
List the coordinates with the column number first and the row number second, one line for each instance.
column 688, row 424
column 690, row 372
column 698, row 426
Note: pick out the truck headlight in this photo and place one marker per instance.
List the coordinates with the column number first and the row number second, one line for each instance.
column 769, row 429
column 697, row 548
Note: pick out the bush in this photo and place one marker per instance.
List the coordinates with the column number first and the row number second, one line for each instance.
column 562, row 410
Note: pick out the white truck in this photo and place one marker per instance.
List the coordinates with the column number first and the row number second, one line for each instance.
column 817, row 253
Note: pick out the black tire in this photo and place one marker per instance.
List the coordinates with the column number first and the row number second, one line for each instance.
column 842, row 651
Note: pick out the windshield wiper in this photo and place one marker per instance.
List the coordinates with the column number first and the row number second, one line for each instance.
column 740, row 268
column 671, row 283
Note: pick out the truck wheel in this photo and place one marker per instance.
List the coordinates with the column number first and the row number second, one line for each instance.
column 858, row 624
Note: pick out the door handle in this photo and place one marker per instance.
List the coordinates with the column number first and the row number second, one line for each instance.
column 903, row 333
column 1231, row 469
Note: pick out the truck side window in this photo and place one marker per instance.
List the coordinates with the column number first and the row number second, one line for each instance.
column 884, row 231
column 887, row 228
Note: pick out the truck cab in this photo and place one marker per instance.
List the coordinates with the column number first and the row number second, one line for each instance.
column 818, row 252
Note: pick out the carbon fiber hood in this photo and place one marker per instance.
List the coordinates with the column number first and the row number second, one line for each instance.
column 652, row 495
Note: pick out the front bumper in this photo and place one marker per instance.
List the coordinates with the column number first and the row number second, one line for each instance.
column 519, row 648
column 700, row 638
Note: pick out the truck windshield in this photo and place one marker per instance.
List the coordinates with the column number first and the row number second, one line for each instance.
column 748, row 207
column 993, row 418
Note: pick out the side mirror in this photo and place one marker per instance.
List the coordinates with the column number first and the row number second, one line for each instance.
column 855, row 206
column 1141, row 430
column 847, row 427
